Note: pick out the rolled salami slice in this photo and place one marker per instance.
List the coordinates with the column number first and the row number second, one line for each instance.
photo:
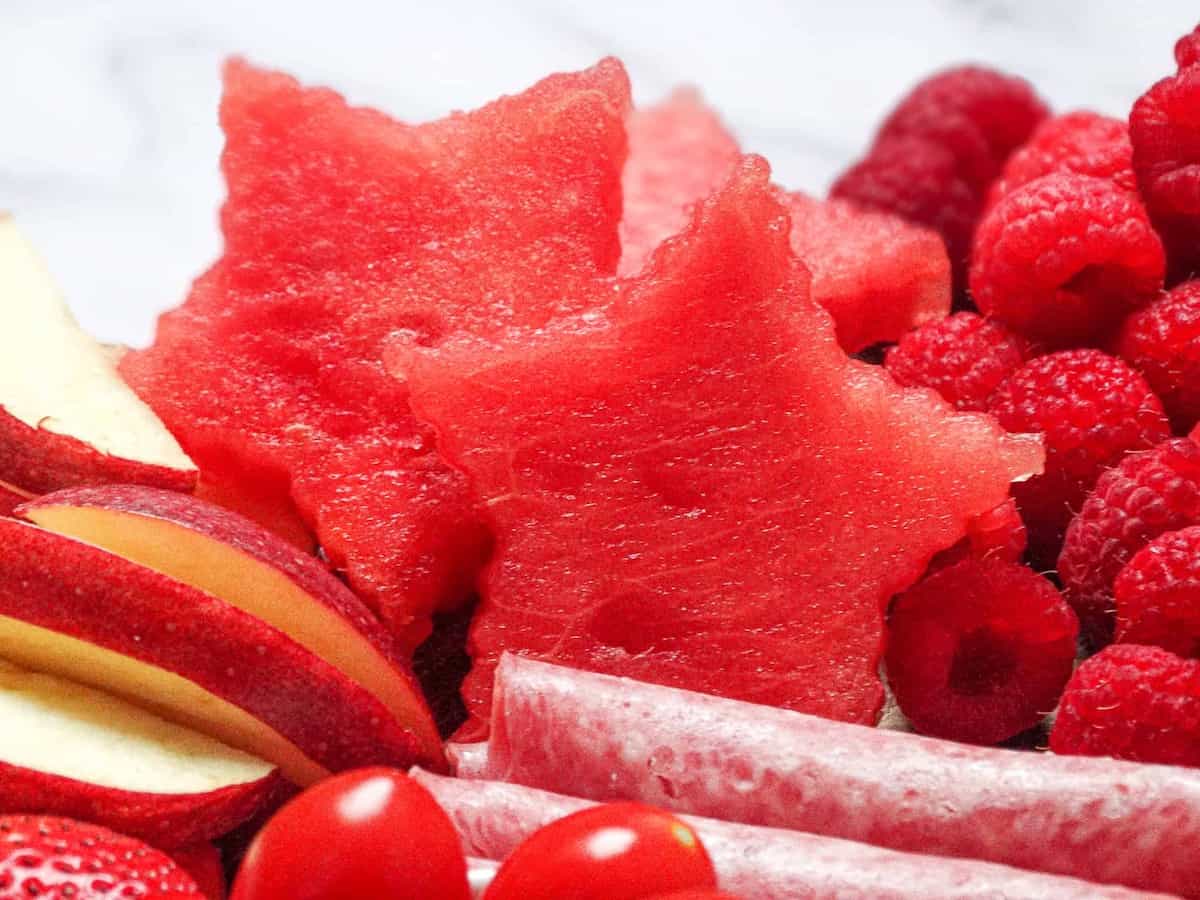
column 758, row 863
column 609, row 738
column 480, row 873
column 468, row 760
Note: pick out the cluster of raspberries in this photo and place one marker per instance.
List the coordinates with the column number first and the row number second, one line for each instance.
column 1073, row 240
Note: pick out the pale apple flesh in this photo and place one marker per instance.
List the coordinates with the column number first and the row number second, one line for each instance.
column 69, row 750
column 66, row 416
column 157, row 690
column 74, row 610
column 251, row 568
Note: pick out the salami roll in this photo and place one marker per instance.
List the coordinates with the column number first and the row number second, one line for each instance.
column 609, row 738
column 756, row 863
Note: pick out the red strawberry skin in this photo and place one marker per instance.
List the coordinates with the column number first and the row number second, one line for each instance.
column 61, row 859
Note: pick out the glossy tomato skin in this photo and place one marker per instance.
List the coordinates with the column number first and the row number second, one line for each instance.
column 619, row 851
column 371, row 834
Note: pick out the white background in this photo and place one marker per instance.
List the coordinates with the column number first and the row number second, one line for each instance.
column 109, row 144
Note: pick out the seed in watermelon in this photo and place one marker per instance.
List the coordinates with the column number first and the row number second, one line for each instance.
column 877, row 275
column 695, row 486
column 679, row 153
column 347, row 233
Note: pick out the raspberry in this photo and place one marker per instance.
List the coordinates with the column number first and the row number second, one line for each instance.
column 1162, row 341
column 964, row 358
column 980, row 651
column 1082, row 142
column 936, row 153
column 1092, row 409
column 1132, row 702
column 1187, row 49
column 1158, row 594
column 1164, row 127
column 1063, row 258
column 917, row 180
column 979, row 114
column 1143, row 496
column 998, row 534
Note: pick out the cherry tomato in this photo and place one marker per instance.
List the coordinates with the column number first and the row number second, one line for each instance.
column 373, row 834
column 621, row 851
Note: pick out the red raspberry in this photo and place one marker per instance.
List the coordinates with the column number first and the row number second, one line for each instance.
column 979, row 114
column 1064, row 258
column 998, row 534
column 1158, row 594
column 1143, row 496
column 917, row 180
column 963, row 357
column 1132, row 702
column 936, row 153
column 1187, row 49
column 1162, row 341
column 1082, row 142
column 1164, row 127
column 980, row 651
column 1092, row 409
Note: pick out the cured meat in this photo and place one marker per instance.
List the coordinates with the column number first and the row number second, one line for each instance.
column 613, row 739
column 694, row 485
column 763, row 863
column 346, row 232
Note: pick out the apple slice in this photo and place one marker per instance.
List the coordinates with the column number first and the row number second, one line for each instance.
column 66, row 417
column 74, row 610
column 69, row 750
column 11, row 497
column 249, row 567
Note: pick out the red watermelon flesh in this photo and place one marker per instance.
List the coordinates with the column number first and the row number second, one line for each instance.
column 349, row 234
column 679, row 153
column 878, row 275
column 697, row 487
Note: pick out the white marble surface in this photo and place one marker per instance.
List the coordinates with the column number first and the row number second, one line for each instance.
column 108, row 137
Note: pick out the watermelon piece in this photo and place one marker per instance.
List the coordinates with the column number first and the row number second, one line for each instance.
column 348, row 234
column 679, row 153
column 695, row 486
column 877, row 275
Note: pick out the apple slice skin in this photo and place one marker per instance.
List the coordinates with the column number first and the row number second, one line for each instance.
column 11, row 497
column 263, row 546
column 230, row 528
column 83, row 592
column 164, row 820
column 39, row 461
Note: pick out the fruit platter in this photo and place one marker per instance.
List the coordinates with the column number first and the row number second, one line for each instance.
column 544, row 502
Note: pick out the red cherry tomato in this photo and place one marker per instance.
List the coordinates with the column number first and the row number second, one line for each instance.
column 621, row 851
column 373, row 834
